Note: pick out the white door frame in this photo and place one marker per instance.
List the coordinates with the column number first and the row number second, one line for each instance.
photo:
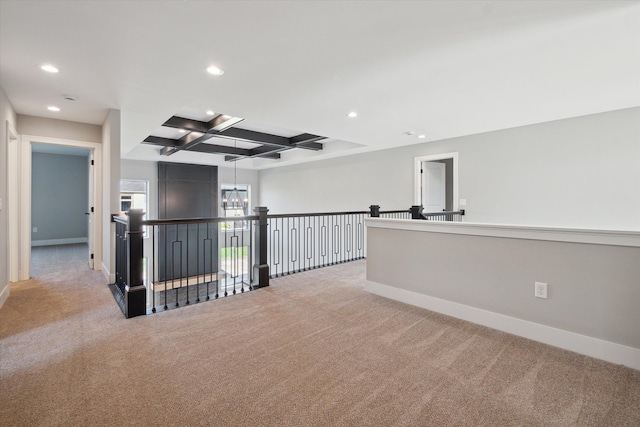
column 91, row 208
column 418, row 177
column 24, row 192
column 13, row 223
column 434, row 185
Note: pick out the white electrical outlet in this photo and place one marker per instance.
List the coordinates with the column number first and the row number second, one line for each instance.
column 541, row 290
column 35, row 229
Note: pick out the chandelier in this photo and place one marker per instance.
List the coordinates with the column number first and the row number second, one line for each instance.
column 234, row 200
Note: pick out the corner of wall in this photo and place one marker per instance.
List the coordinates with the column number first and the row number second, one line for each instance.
column 111, row 137
column 111, row 277
column 7, row 117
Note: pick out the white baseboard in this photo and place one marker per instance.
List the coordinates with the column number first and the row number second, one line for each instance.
column 4, row 294
column 52, row 242
column 111, row 278
column 589, row 346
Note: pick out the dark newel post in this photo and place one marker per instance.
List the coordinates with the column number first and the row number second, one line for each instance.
column 135, row 296
column 416, row 212
column 261, row 267
column 374, row 211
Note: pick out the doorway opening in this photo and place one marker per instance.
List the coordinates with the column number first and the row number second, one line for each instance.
column 436, row 182
column 61, row 214
column 42, row 220
column 58, row 260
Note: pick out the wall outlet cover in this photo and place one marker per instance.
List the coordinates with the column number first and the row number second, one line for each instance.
column 540, row 290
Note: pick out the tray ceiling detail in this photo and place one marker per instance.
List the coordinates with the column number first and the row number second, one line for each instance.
column 214, row 136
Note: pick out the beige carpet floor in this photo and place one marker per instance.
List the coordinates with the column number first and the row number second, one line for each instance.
column 314, row 349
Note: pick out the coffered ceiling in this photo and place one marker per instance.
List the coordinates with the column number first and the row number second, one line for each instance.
column 222, row 135
column 413, row 71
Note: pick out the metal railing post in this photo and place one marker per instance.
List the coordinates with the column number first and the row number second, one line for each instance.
column 374, row 211
column 261, row 267
column 135, row 295
column 416, row 212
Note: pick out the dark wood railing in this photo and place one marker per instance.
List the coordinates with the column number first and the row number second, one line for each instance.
column 198, row 259
column 129, row 289
column 417, row 213
column 300, row 242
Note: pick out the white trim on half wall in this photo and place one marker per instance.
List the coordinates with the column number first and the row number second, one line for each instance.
column 589, row 346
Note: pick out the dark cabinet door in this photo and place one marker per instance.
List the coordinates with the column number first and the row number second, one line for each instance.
column 187, row 191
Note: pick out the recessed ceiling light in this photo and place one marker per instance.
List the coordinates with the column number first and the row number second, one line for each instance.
column 181, row 130
column 53, row 108
column 216, row 71
column 210, row 113
column 352, row 114
column 49, row 68
column 422, row 136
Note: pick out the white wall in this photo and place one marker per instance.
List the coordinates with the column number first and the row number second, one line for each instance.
column 110, row 190
column 7, row 115
column 61, row 129
column 581, row 172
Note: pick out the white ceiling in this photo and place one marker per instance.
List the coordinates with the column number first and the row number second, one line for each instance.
column 438, row 68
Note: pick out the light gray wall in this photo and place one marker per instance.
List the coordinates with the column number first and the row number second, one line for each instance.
column 349, row 183
column 59, row 196
column 62, row 129
column 110, row 203
column 7, row 115
column 593, row 289
column 581, row 172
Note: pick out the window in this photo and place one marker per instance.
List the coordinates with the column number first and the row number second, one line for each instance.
column 236, row 202
column 134, row 195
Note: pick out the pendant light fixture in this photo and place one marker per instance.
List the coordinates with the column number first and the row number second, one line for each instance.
column 234, row 200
